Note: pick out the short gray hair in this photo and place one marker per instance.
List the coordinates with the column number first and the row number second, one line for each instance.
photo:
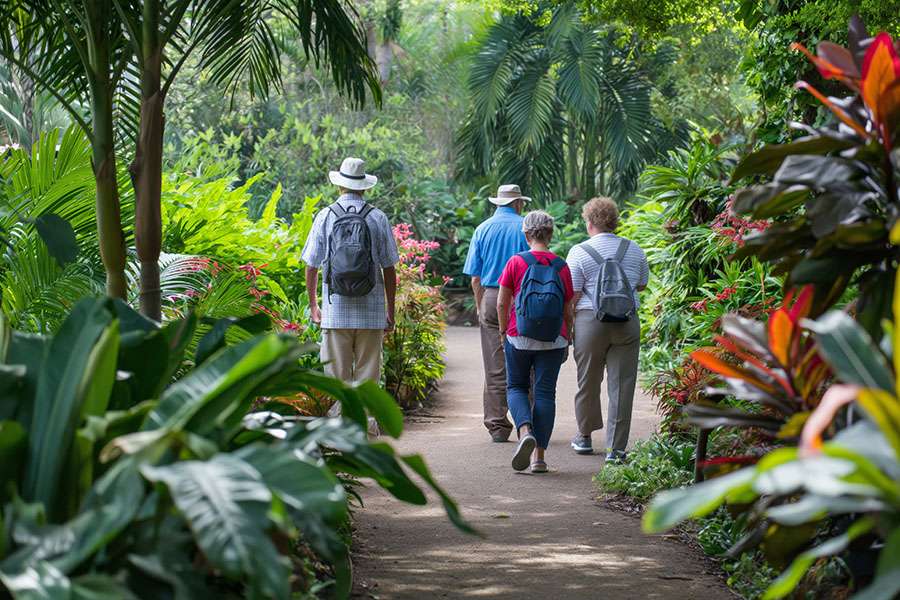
column 538, row 225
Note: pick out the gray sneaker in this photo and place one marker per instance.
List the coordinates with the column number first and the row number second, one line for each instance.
column 522, row 457
column 616, row 457
column 581, row 444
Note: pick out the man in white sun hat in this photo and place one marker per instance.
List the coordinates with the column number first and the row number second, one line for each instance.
column 352, row 243
column 493, row 244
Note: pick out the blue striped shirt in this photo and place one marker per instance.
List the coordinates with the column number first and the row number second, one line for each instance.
column 495, row 241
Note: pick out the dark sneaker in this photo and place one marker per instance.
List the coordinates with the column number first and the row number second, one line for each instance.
column 581, row 444
column 616, row 457
column 499, row 437
column 522, row 457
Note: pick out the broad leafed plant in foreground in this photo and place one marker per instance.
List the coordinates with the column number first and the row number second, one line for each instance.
column 131, row 467
column 834, row 192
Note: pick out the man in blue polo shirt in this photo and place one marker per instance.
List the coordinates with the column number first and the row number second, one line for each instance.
column 494, row 242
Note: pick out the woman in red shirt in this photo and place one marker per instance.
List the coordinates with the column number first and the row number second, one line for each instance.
column 535, row 326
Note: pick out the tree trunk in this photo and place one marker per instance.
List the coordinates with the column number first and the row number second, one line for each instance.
column 384, row 60
column 589, row 168
column 109, row 220
column 146, row 169
column 572, row 166
column 601, row 166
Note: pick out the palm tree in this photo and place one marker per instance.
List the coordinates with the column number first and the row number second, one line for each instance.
column 75, row 52
column 562, row 107
column 119, row 57
column 236, row 44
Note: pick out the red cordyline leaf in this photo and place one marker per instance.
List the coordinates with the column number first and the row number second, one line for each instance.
column 801, row 308
column 734, row 349
column 879, row 89
column 781, row 331
column 708, row 359
column 833, row 62
column 840, row 113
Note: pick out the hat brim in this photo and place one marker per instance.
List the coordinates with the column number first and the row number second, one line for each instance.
column 352, row 184
column 505, row 201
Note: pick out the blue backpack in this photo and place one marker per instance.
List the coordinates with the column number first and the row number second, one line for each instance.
column 539, row 305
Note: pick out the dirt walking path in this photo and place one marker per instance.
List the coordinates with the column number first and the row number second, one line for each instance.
column 546, row 538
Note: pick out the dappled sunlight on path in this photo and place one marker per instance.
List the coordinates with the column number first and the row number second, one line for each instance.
column 545, row 537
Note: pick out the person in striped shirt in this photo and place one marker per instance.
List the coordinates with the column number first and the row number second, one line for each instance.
column 600, row 346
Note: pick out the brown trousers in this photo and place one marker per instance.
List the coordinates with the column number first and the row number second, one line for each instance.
column 611, row 347
column 495, row 408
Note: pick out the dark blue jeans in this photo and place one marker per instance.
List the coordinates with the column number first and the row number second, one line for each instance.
column 519, row 366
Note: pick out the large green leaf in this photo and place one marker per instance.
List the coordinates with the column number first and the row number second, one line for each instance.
column 68, row 374
column 671, row 507
column 850, row 351
column 42, row 581
column 59, row 237
column 767, row 160
column 221, row 384
column 225, row 503
column 13, row 447
column 788, row 580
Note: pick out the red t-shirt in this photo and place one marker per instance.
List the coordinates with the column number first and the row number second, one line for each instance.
column 511, row 278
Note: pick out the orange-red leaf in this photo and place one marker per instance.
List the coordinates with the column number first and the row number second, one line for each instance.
column 708, row 359
column 881, row 68
column 840, row 113
column 833, row 62
column 781, row 330
column 801, row 308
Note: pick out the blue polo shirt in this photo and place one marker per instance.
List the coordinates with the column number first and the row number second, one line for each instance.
column 494, row 242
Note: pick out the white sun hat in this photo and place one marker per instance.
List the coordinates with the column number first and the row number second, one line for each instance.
column 507, row 194
column 352, row 175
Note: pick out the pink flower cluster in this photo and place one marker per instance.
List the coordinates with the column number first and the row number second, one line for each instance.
column 735, row 228
column 413, row 251
column 725, row 294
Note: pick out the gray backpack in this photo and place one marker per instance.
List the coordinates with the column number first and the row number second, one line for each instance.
column 614, row 297
column 350, row 268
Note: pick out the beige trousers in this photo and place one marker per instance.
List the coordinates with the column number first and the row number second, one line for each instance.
column 611, row 347
column 495, row 408
column 352, row 355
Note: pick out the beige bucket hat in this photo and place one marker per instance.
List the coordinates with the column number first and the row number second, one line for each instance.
column 352, row 175
column 507, row 194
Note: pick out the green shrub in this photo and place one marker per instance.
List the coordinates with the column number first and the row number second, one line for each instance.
column 127, row 466
column 654, row 464
column 414, row 360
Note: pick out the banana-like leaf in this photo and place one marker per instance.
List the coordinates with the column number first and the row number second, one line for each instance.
column 674, row 506
column 100, row 587
column 850, row 351
column 225, row 503
column 13, row 448
column 42, row 581
column 71, row 371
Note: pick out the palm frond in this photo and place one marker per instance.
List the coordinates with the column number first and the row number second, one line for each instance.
column 532, row 104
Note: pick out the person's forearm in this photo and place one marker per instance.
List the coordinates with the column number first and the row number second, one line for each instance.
column 478, row 291
column 504, row 299
column 390, row 290
column 312, row 285
column 569, row 317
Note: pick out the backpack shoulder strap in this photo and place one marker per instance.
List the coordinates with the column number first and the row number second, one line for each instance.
column 586, row 246
column 623, row 249
column 365, row 210
column 557, row 264
column 337, row 209
column 528, row 257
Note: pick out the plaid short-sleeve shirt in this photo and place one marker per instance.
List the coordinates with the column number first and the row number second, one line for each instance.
column 343, row 312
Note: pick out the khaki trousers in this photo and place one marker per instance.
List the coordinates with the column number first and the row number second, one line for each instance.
column 611, row 347
column 352, row 355
column 495, row 408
